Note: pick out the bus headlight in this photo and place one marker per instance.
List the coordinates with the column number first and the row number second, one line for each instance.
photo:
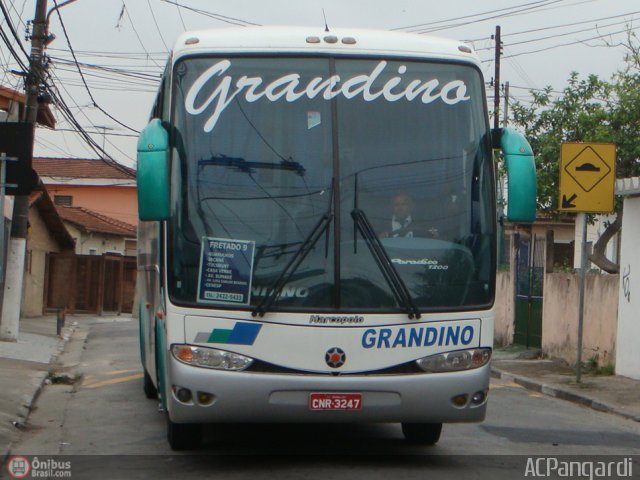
column 210, row 358
column 455, row 361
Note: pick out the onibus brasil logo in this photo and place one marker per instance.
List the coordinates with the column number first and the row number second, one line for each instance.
column 21, row 467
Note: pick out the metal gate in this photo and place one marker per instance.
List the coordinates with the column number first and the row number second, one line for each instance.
column 530, row 261
column 90, row 283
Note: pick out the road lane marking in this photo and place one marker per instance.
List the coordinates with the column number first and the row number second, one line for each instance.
column 496, row 386
column 113, row 381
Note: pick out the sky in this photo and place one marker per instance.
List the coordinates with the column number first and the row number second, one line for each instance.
column 120, row 47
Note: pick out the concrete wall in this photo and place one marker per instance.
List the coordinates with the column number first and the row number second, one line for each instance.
column 560, row 317
column 627, row 355
column 504, row 308
column 101, row 243
column 38, row 244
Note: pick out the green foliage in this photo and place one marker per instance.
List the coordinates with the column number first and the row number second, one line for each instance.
column 587, row 110
column 591, row 367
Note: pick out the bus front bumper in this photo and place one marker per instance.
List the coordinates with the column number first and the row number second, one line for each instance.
column 259, row 397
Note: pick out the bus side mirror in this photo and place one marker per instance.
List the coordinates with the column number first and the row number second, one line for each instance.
column 521, row 176
column 153, row 172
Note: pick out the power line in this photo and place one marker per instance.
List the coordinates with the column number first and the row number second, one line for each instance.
column 582, row 41
column 12, row 28
column 517, row 10
column 66, row 111
column 184, row 27
column 82, row 76
column 157, row 26
column 466, row 16
column 571, row 24
column 564, row 34
column 115, row 72
column 126, row 10
column 230, row 20
column 131, row 135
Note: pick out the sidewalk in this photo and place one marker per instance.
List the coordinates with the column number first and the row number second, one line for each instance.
column 25, row 367
column 606, row 393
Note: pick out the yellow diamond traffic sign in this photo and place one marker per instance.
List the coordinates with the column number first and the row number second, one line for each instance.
column 587, row 177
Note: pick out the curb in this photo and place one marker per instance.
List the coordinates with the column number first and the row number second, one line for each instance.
column 29, row 400
column 561, row 393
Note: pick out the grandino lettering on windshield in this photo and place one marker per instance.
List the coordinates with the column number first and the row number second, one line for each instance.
column 289, row 88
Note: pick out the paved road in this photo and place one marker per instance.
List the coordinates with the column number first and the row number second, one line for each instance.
column 107, row 413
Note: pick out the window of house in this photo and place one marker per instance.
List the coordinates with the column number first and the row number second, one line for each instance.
column 66, row 200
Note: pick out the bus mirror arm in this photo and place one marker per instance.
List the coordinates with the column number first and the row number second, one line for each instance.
column 521, row 175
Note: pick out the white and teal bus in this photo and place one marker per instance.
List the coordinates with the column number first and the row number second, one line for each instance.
column 274, row 285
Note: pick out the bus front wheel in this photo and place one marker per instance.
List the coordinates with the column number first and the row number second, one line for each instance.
column 422, row 433
column 150, row 390
column 184, row 436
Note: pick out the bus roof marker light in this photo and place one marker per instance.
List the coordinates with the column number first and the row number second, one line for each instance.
column 465, row 49
column 331, row 39
column 192, row 41
column 313, row 39
column 349, row 41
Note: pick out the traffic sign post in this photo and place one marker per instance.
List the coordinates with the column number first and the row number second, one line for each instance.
column 587, row 180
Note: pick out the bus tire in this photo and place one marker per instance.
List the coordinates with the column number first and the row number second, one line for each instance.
column 150, row 390
column 183, row 436
column 422, row 433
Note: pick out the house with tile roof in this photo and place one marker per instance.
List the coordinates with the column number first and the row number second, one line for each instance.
column 12, row 105
column 100, row 185
column 97, row 234
column 12, row 108
column 97, row 201
column 47, row 235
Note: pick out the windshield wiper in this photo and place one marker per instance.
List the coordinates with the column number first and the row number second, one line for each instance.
column 298, row 257
column 391, row 275
column 248, row 166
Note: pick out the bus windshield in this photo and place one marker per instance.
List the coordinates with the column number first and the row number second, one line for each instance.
column 278, row 162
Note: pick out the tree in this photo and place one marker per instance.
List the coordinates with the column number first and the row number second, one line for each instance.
column 587, row 110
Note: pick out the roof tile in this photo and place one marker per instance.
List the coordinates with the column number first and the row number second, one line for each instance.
column 92, row 221
column 81, row 168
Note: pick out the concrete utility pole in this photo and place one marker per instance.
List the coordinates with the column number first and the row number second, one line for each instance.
column 505, row 118
column 12, row 303
column 496, row 80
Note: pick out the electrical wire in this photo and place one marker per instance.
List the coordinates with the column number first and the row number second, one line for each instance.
column 66, row 111
column 82, row 76
column 157, row 26
column 573, row 24
column 581, row 41
column 466, row 16
column 222, row 18
column 564, row 34
column 184, row 27
column 126, row 10
column 515, row 10
column 12, row 28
